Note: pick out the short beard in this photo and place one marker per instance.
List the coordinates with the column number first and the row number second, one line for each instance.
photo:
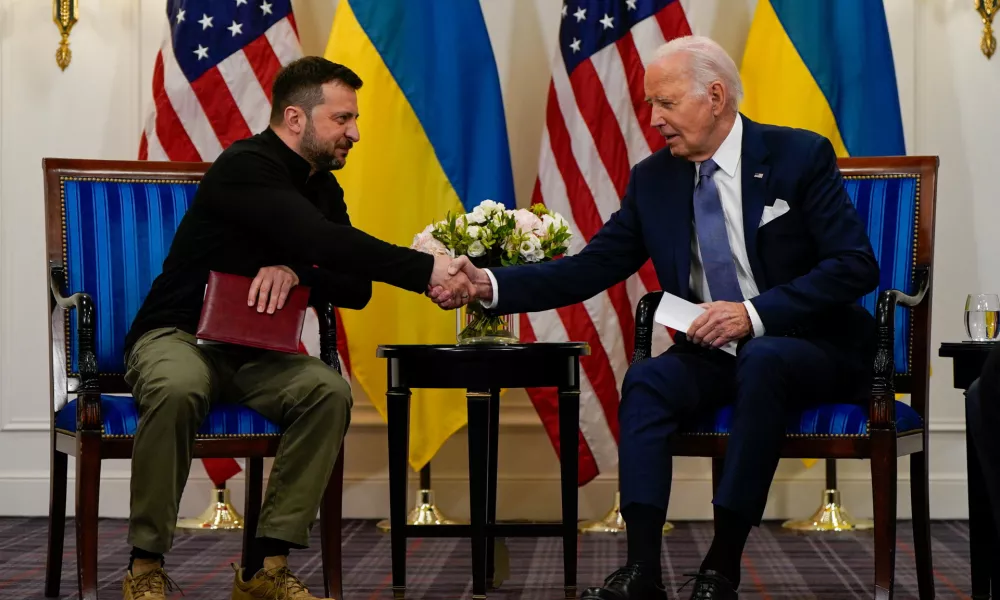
column 320, row 158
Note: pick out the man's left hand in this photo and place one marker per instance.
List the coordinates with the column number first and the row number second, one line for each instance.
column 722, row 323
column 270, row 288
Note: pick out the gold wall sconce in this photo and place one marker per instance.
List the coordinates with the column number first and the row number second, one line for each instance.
column 987, row 9
column 65, row 14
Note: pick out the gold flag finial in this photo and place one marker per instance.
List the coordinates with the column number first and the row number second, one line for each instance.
column 987, row 9
column 64, row 14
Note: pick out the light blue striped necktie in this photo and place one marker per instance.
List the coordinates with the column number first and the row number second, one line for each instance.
column 713, row 241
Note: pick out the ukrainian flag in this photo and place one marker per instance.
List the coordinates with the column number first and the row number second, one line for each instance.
column 826, row 66
column 433, row 140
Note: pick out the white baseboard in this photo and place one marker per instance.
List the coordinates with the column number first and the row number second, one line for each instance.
column 518, row 498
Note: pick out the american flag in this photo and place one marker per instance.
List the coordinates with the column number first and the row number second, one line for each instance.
column 211, row 87
column 596, row 129
column 213, row 75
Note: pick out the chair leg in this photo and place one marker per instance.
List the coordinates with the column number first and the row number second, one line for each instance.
column 884, row 474
column 88, row 491
column 330, row 513
column 716, row 478
column 920, row 496
column 251, row 508
column 57, row 522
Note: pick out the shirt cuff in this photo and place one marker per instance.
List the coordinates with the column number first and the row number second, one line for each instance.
column 496, row 295
column 758, row 325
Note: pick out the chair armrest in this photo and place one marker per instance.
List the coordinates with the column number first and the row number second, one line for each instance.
column 328, row 334
column 644, row 313
column 88, row 406
column 882, row 413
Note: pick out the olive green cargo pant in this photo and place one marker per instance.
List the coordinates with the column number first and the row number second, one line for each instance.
column 175, row 381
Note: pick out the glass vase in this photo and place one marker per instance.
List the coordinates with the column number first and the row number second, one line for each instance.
column 476, row 326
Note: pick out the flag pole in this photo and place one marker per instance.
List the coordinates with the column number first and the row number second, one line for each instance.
column 831, row 515
column 220, row 514
column 425, row 512
column 612, row 521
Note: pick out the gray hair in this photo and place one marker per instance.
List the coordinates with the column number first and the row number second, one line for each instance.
column 709, row 62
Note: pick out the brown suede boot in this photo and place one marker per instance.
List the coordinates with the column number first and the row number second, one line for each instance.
column 146, row 581
column 273, row 582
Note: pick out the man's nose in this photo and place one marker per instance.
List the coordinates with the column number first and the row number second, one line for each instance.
column 656, row 118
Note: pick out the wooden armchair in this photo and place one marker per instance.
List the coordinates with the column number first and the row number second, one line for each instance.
column 895, row 196
column 109, row 225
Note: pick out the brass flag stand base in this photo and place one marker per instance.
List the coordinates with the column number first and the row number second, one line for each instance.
column 425, row 512
column 831, row 515
column 613, row 522
column 220, row 515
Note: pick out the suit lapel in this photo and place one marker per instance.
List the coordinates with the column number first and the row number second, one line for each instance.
column 754, row 181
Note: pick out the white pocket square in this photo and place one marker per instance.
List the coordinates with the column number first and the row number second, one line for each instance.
column 771, row 213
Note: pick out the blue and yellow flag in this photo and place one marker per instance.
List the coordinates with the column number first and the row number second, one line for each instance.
column 826, row 66
column 433, row 140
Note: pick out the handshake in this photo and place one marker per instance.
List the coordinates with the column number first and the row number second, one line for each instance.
column 456, row 282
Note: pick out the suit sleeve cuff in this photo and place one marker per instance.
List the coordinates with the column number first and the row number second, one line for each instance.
column 758, row 325
column 496, row 294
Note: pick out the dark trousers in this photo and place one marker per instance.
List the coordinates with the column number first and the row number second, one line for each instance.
column 982, row 417
column 768, row 377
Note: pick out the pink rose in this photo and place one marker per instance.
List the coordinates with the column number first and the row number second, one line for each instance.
column 527, row 221
column 427, row 243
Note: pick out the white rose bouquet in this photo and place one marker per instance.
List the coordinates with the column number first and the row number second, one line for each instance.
column 493, row 236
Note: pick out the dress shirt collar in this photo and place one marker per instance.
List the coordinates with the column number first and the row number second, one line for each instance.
column 728, row 154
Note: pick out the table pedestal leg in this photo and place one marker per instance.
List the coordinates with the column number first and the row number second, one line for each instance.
column 491, row 482
column 479, row 460
column 398, row 417
column 569, row 434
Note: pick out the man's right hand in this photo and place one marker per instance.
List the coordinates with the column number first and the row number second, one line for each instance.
column 449, row 288
column 479, row 282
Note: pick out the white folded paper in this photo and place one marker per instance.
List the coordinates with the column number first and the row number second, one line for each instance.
column 678, row 314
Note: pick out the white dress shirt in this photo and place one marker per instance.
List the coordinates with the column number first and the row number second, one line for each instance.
column 728, row 180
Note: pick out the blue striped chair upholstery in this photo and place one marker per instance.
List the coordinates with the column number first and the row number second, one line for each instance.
column 888, row 206
column 116, row 234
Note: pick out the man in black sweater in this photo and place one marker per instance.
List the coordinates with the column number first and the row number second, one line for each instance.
column 270, row 209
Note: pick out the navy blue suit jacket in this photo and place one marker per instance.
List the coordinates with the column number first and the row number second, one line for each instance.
column 811, row 264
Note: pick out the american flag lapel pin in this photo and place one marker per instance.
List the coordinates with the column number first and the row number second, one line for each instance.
column 758, row 176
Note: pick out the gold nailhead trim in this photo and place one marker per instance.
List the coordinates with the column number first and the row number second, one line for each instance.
column 197, row 437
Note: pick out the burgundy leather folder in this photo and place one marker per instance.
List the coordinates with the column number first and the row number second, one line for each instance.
column 226, row 318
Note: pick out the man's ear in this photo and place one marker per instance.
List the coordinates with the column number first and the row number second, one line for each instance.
column 295, row 119
column 717, row 93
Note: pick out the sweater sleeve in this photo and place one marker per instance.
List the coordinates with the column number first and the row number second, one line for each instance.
column 255, row 192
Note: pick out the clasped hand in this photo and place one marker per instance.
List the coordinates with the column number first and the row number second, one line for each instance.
column 456, row 282
column 720, row 324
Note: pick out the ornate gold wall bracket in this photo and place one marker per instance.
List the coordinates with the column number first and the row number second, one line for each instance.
column 987, row 9
column 65, row 14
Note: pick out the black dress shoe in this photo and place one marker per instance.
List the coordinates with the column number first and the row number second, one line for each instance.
column 627, row 583
column 711, row 585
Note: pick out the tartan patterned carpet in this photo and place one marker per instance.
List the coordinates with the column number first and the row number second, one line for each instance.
column 778, row 563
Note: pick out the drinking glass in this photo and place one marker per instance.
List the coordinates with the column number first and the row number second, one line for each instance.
column 981, row 317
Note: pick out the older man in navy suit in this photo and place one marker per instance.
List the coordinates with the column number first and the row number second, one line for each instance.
column 752, row 221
